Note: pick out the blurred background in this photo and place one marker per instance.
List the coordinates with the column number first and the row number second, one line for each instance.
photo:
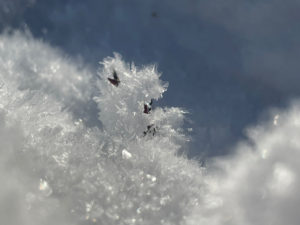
column 227, row 62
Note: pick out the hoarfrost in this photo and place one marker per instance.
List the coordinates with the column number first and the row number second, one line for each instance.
column 56, row 168
column 81, row 178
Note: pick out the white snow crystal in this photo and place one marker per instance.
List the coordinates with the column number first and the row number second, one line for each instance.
column 44, row 188
column 275, row 120
column 126, row 154
column 151, row 177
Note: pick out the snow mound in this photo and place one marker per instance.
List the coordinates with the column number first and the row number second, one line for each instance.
column 58, row 170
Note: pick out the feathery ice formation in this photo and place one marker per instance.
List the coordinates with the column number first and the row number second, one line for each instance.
column 59, row 166
column 53, row 164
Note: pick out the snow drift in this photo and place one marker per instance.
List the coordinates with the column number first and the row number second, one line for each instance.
column 259, row 183
column 55, row 166
column 58, row 167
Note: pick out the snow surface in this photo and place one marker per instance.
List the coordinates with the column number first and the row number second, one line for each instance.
column 72, row 148
column 57, row 169
column 54, row 165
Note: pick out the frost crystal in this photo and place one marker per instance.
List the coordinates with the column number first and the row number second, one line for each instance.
column 275, row 120
column 126, row 154
column 44, row 188
column 108, row 174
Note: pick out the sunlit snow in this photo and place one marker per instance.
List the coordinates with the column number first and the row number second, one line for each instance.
column 59, row 167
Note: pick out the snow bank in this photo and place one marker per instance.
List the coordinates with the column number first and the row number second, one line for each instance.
column 259, row 183
column 55, row 168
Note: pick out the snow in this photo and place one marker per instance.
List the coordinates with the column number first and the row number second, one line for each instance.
column 44, row 188
column 226, row 63
column 126, row 154
column 73, row 151
column 81, row 174
column 55, row 167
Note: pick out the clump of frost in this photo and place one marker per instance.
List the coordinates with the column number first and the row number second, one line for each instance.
column 55, row 169
column 121, row 108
